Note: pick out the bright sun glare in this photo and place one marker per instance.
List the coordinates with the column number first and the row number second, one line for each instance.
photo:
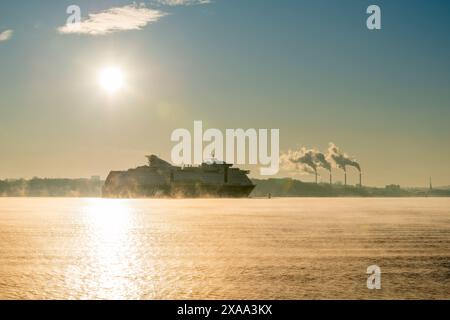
column 111, row 79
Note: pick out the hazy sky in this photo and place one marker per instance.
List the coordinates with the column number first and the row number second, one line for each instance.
column 310, row 68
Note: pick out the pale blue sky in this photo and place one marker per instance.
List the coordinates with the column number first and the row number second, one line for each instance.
column 310, row 68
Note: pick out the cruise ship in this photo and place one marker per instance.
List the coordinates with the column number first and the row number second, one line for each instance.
column 160, row 179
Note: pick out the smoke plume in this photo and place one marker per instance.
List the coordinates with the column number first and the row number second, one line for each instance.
column 305, row 161
column 322, row 161
column 341, row 160
column 309, row 161
column 306, row 158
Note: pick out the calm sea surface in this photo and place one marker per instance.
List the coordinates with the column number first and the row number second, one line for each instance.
column 223, row 249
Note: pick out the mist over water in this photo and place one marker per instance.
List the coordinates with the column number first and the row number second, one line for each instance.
column 223, row 249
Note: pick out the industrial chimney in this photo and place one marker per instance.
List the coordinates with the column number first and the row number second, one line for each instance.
column 360, row 179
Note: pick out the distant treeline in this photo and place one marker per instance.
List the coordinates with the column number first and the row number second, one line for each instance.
column 275, row 187
column 297, row 188
column 51, row 188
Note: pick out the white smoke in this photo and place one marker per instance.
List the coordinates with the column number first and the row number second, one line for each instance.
column 309, row 161
column 341, row 160
column 305, row 161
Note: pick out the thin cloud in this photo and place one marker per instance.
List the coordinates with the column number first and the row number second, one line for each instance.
column 174, row 3
column 6, row 35
column 127, row 18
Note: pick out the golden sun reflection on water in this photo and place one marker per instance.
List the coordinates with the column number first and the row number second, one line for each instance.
column 109, row 251
column 110, row 219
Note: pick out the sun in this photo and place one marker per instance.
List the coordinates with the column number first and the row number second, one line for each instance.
column 111, row 79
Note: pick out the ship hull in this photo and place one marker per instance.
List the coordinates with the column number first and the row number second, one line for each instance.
column 180, row 191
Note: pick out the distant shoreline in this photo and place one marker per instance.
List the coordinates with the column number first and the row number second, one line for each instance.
column 276, row 188
column 295, row 188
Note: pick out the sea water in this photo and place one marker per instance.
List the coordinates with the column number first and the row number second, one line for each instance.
column 299, row 248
